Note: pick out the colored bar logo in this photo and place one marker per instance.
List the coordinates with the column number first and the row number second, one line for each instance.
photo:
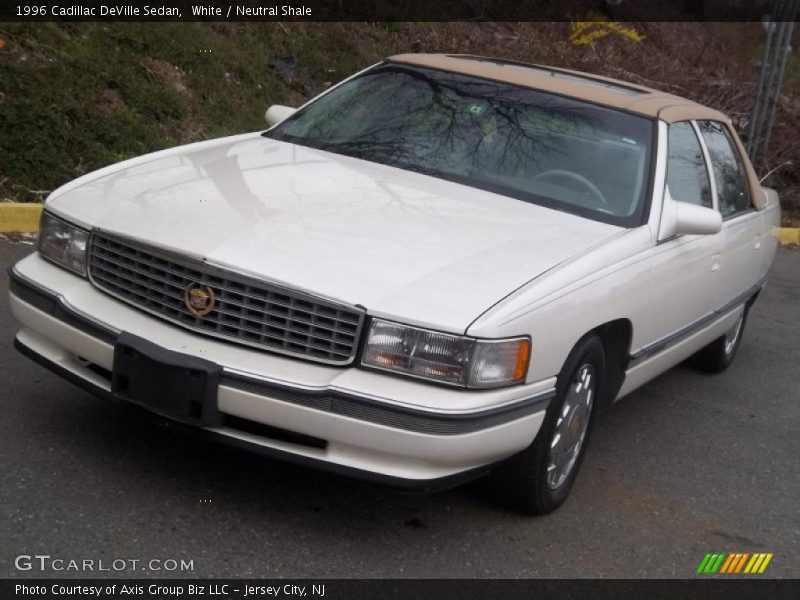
column 736, row 562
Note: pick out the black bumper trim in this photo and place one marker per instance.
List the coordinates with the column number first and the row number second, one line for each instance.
column 411, row 485
column 348, row 405
column 674, row 338
column 397, row 417
column 52, row 304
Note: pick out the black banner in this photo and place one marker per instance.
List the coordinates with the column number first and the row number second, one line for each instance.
column 382, row 10
column 346, row 589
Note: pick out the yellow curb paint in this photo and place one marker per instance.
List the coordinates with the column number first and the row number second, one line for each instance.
column 789, row 236
column 18, row 216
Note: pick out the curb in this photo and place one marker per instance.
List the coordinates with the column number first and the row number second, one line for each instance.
column 789, row 236
column 24, row 217
column 20, row 217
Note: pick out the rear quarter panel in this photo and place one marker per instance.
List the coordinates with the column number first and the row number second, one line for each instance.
column 771, row 221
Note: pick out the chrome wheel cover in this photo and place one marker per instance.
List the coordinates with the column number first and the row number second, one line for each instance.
column 732, row 337
column 571, row 427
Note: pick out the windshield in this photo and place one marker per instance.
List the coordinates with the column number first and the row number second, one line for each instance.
column 534, row 146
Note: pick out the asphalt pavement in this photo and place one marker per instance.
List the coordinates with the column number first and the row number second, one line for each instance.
column 689, row 464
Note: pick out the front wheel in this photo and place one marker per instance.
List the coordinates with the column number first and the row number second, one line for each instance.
column 538, row 480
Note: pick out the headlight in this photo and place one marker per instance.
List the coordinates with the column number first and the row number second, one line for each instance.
column 453, row 359
column 63, row 243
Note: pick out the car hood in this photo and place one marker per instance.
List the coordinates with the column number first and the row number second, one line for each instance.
column 401, row 244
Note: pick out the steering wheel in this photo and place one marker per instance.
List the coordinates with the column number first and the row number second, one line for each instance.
column 565, row 174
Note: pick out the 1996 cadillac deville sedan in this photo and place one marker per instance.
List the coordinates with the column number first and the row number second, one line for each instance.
column 440, row 268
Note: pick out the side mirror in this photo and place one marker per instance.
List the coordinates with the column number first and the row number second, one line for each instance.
column 686, row 218
column 277, row 113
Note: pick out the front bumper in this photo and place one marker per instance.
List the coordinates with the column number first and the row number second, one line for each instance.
column 359, row 423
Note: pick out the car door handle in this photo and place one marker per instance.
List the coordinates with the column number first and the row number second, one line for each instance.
column 715, row 262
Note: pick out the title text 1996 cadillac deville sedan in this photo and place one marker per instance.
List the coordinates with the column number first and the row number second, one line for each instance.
column 441, row 267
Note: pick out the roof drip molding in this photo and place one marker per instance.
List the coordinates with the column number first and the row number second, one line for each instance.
column 689, row 110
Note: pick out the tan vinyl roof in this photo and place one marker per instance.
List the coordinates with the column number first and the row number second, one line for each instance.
column 593, row 88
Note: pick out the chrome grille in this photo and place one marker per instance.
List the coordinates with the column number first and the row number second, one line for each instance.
column 250, row 312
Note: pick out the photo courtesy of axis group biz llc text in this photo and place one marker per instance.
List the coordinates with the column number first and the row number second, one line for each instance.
column 353, row 300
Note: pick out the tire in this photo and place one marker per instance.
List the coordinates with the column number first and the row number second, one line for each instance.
column 530, row 481
column 719, row 354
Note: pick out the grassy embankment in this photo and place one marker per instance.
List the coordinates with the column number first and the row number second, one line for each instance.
column 76, row 97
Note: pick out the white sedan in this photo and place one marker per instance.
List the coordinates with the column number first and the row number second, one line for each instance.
column 440, row 268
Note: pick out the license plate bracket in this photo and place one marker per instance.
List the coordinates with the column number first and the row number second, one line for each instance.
column 173, row 384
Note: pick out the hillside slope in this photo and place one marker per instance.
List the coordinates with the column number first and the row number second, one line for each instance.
column 75, row 97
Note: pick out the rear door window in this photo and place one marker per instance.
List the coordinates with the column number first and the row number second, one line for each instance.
column 729, row 174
